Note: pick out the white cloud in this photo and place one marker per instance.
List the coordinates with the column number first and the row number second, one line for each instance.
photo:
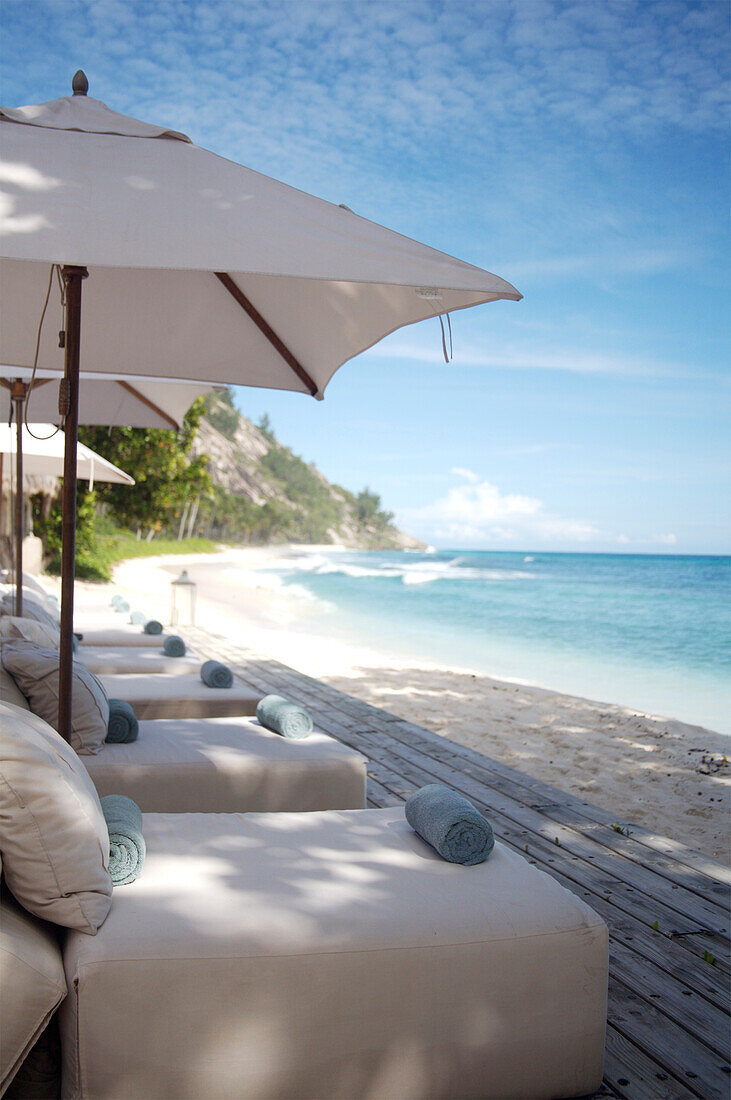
column 424, row 345
column 646, row 261
column 469, row 475
column 480, row 514
column 667, row 540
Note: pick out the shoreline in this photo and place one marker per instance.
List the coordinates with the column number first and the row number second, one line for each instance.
column 652, row 770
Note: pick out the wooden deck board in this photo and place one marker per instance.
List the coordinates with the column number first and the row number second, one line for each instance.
column 667, row 906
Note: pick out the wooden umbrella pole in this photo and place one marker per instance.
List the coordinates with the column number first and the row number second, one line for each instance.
column 72, row 277
column 17, row 395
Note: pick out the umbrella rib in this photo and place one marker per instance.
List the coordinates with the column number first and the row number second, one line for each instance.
column 267, row 330
column 146, row 401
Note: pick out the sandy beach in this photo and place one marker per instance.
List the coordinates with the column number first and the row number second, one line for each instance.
column 652, row 770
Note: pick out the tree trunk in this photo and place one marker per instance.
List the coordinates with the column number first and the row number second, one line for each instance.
column 193, row 516
column 183, row 518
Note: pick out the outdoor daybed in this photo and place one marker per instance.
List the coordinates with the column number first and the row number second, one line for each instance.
column 229, row 765
column 219, row 765
column 125, row 634
column 186, row 696
column 127, row 659
column 281, row 956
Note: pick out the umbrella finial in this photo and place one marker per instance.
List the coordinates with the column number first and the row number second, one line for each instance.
column 80, row 85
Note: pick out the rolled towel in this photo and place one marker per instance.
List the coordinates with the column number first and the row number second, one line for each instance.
column 121, row 606
column 281, row 716
column 152, row 626
column 138, row 618
column 74, row 643
column 115, row 599
column 126, row 842
column 122, row 726
column 451, row 824
column 216, row 675
column 174, row 646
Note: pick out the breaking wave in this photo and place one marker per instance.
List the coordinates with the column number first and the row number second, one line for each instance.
column 409, row 573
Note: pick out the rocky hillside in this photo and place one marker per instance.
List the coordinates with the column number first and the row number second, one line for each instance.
column 254, row 474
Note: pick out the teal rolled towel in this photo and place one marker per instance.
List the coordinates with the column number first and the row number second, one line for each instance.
column 121, row 606
column 281, row 716
column 216, row 675
column 122, row 726
column 115, row 599
column 138, row 618
column 152, row 626
column 126, row 843
column 451, row 824
column 174, row 646
column 74, row 643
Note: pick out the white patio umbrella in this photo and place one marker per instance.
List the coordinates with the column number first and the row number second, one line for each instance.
column 191, row 260
column 149, row 403
column 43, row 456
column 103, row 400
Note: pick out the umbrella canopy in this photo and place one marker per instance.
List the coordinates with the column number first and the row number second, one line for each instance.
column 43, row 456
column 195, row 261
column 193, row 264
column 103, row 400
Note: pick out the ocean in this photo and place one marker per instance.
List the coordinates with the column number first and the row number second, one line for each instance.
column 649, row 632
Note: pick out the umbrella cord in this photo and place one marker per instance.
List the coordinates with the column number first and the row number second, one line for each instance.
column 447, row 354
column 54, row 268
column 444, row 342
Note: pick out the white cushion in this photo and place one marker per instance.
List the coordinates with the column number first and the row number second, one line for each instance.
column 33, row 982
column 107, row 659
column 153, row 696
column 217, row 765
column 53, row 837
column 30, row 630
column 8, row 578
column 32, row 608
column 36, row 671
column 124, row 634
column 333, row 955
column 10, row 692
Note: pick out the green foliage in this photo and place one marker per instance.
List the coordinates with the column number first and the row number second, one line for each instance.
column 265, row 427
column 369, row 512
column 160, row 463
column 99, row 543
column 122, row 545
column 316, row 512
column 228, row 517
column 91, row 561
column 221, row 412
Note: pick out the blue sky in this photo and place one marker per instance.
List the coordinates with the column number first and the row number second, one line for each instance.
column 579, row 150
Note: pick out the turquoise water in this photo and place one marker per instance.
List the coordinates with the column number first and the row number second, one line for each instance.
column 651, row 632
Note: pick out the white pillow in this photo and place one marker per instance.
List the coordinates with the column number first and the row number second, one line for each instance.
column 54, row 841
column 33, row 984
column 35, row 670
column 32, row 609
column 10, row 692
column 7, row 576
column 30, row 630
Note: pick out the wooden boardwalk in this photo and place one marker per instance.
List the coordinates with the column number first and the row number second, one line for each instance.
column 667, row 907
